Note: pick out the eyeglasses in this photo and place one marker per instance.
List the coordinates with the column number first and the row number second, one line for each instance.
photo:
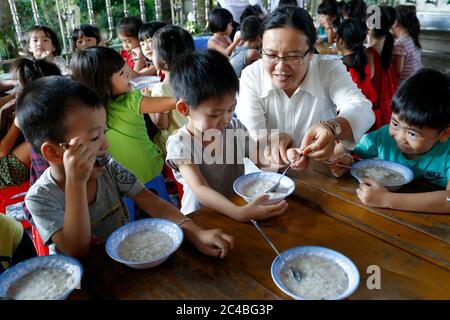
column 274, row 59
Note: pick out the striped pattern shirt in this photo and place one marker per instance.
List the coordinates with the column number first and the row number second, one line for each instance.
column 412, row 56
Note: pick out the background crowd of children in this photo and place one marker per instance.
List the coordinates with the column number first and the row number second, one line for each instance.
column 146, row 130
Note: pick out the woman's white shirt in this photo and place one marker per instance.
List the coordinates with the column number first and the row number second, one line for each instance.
column 327, row 89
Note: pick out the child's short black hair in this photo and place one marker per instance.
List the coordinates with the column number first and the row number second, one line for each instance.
column 355, row 9
column 94, row 67
column 293, row 17
column 199, row 76
column 49, row 33
column 129, row 26
column 86, row 30
column 251, row 28
column 218, row 20
column 423, row 100
column 251, row 10
column 169, row 43
column 44, row 104
column 287, row 3
column 328, row 7
column 27, row 70
column 147, row 30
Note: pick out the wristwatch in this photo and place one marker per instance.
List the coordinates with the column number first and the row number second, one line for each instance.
column 334, row 126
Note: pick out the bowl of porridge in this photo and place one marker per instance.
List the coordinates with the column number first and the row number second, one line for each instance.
column 144, row 243
column 390, row 174
column 325, row 274
column 254, row 184
column 144, row 82
column 51, row 277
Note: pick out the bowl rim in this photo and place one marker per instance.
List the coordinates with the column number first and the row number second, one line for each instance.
column 360, row 163
column 238, row 179
column 348, row 292
column 23, row 264
column 142, row 221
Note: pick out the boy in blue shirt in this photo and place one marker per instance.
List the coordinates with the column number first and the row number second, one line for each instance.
column 417, row 136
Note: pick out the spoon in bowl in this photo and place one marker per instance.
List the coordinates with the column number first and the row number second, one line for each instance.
column 292, row 271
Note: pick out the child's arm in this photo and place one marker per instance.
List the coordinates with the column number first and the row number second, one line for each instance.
column 216, row 201
column 75, row 236
column 157, row 104
column 398, row 61
column 373, row 194
column 212, row 242
column 8, row 141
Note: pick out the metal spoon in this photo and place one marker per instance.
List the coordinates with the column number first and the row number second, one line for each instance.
column 292, row 271
column 275, row 186
column 337, row 164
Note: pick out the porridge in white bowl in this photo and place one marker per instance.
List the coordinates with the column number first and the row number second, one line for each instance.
column 145, row 245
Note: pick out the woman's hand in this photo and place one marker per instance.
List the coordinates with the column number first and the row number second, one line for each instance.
column 275, row 152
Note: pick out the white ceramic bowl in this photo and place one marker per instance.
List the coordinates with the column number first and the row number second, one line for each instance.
column 345, row 263
column 287, row 185
column 144, row 82
column 166, row 226
column 68, row 264
column 405, row 171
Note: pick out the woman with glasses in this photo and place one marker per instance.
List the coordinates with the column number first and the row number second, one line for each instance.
column 300, row 94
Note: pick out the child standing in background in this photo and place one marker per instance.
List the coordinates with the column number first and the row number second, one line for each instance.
column 221, row 25
column 104, row 70
column 168, row 44
column 327, row 13
column 145, row 40
column 43, row 44
column 350, row 43
column 86, row 36
column 407, row 48
column 248, row 52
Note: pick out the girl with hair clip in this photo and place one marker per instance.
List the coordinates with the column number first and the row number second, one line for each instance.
column 350, row 43
column 44, row 44
column 104, row 70
column 384, row 78
column 407, row 48
column 14, row 151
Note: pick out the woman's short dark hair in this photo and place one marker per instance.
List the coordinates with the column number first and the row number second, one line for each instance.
column 218, row 20
column 423, row 100
column 49, row 33
column 201, row 75
column 169, row 43
column 44, row 104
column 94, row 67
column 292, row 17
column 129, row 26
column 86, row 30
column 147, row 30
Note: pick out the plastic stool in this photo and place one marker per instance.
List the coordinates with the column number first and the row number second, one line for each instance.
column 157, row 185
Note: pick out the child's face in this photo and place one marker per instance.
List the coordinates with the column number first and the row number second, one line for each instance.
column 412, row 141
column 324, row 19
column 128, row 43
column 229, row 28
column 90, row 126
column 120, row 81
column 146, row 47
column 84, row 42
column 41, row 45
column 213, row 113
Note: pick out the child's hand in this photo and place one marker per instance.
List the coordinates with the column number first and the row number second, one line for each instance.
column 373, row 194
column 43, row 54
column 78, row 161
column 136, row 54
column 257, row 211
column 345, row 159
column 213, row 242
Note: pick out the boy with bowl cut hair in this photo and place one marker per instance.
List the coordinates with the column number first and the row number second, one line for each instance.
column 79, row 198
column 418, row 137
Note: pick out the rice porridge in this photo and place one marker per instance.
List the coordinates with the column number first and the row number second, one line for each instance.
column 145, row 246
column 383, row 175
column 321, row 278
column 257, row 188
column 41, row 284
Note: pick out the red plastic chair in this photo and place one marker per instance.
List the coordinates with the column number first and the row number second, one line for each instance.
column 15, row 194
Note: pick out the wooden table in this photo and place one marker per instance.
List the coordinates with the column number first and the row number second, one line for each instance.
column 412, row 250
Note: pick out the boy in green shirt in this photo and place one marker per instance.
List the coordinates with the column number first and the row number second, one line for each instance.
column 417, row 136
